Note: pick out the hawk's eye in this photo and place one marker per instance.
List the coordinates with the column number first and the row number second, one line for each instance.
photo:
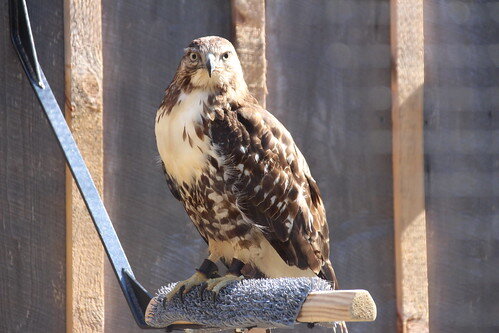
column 225, row 56
column 193, row 56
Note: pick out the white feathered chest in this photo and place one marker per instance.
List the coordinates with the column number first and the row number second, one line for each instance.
column 181, row 145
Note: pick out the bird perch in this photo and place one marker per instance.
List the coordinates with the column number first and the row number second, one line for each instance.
column 262, row 303
column 337, row 305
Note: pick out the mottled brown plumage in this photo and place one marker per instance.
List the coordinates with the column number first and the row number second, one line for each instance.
column 237, row 171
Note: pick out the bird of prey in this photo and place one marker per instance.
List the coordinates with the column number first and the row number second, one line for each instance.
column 240, row 176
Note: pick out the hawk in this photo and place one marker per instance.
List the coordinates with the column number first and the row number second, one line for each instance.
column 240, row 176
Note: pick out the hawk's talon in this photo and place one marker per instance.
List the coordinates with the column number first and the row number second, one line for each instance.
column 216, row 284
column 181, row 293
column 202, row 288
column 183, row 287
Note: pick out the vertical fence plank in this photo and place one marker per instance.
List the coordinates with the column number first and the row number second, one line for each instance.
column 248, row 20
column 408, row 175
column 143, row 44
column 328, row 78
column 32, row 195
column 461, row 131
column 85, row 259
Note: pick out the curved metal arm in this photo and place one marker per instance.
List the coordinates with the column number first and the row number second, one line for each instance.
column 137, row 297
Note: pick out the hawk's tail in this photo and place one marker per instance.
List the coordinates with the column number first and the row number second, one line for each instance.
column 338, row 327
column 327, row 273
column 342, row 327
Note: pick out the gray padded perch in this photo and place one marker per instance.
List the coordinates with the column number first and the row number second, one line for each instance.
column 265, row 303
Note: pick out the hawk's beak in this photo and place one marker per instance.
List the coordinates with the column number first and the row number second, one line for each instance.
column 210, row 63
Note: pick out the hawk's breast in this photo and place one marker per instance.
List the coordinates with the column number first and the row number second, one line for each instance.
column 182, row 145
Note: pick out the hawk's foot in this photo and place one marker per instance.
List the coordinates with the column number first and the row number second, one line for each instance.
column 216, row 284
column 183, row 287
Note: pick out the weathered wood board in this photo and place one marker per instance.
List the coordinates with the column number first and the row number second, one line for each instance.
column 248, row 22
column 32, row 183
column 84, row 114
column 328, row 77
column 143, row 43
column 407, row 45
column 462, row 164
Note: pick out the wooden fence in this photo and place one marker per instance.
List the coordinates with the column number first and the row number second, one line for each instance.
column 410, row 184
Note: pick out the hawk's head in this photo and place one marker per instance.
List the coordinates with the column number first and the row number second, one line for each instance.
column 211, row 62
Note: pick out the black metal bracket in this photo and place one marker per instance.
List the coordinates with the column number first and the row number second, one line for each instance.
column 137, row 297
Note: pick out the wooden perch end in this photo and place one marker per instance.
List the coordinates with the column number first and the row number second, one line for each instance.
column 325, row 307
column 338, row 305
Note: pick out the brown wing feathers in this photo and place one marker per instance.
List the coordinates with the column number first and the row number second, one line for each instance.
column 269, row 178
